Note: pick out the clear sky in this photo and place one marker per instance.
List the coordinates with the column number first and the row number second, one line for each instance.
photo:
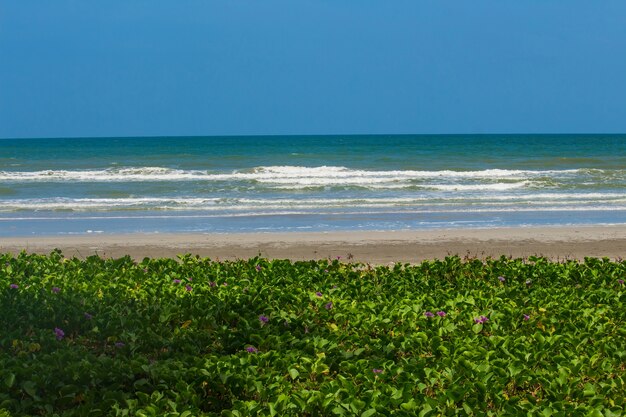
column 228, row 67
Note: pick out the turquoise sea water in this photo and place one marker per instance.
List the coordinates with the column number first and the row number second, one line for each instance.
column 306, row 183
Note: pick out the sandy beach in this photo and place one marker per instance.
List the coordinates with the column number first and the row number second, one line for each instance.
column 557, row 243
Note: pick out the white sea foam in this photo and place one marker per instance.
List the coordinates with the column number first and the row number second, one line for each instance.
column 541, row 200
column 480, row 187
column 104, row 175
column 309, row 179
column 322, row 175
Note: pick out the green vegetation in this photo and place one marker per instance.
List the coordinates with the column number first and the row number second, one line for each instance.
column 187, row 337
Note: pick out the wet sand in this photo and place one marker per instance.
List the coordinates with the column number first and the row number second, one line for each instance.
column 557, row 243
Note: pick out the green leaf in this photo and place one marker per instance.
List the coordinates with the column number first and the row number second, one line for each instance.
column 589, row 390
column 409, row 405
column 426, row 408
column 294, row 373
column 368, row 413
column 30, row 388
column 514, row 370
column 356, row 405
column 9, row 380
column 272, row 409
column 339, row 411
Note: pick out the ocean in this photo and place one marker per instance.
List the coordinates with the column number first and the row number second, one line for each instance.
column 70, row 186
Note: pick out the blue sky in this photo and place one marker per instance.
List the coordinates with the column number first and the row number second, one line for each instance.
column 230, row 67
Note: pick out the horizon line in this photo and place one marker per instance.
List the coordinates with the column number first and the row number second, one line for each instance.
column 313, row 135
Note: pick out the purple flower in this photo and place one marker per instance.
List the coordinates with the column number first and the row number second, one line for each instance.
column 176, row 281
column 501, row 279
column 377, row 371
column 212, row 284
column 338, row 257
column 441, row 313
column 14, row 286
column 190, row 279
column 188, row 287
column 251, row 349
column 263, row 319
column 56, row 290
column 225, row 284
column 88, row 316
column 258, row 268
column 429, row 314
column 481, row 319
column 326, row 271
column 334, row 287
column 60, row 334
column 526, row 317
column 319, row 294
column 329, row 305
column 620, row 281
column 120, row 344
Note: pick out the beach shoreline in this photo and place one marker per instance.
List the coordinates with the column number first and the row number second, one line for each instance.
column 376, row 247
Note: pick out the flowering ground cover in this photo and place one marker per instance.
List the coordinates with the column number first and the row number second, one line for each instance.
column 190, row 336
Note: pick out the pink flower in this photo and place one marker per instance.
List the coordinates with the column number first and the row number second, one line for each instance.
column 441, row 313
column 429, row 314
column 14, row 286
column 481, row 319
column 56, row 290
column 60, row 334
